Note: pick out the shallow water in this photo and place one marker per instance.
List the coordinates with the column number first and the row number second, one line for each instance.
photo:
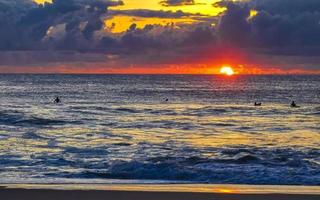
column 120, row 127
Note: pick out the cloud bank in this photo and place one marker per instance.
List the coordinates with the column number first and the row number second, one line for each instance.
column 281, row 33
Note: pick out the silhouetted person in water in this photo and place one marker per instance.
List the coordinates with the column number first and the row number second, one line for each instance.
column 167, row 100
column 257, row 104
column 57, row 100
column 293, row 104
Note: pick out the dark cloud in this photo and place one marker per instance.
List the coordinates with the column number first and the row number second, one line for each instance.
column 177, row 2
column 233, row 26
column 73, row 31
column 78, row 25
column 286, row 7
column 280, row 24
column 44, row 58
column 167, row 37
column 153, row 13
column 27, row 26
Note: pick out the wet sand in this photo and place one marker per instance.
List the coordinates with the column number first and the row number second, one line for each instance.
column 156, row 192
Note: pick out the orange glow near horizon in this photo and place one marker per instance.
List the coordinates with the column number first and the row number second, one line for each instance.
column 67, row 69
column 204, row 69
column 227, row 70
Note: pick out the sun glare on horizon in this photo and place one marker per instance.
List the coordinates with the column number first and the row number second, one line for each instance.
column 227, row 70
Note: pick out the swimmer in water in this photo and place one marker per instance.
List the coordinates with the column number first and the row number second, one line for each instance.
column 57, row 100
column 257, row 104
column 293, row 105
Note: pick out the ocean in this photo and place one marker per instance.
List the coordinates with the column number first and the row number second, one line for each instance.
column 160, row 129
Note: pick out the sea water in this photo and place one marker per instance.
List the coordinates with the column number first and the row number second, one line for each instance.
column 160, row 128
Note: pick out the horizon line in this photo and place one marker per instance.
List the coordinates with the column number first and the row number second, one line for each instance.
column 276, row 74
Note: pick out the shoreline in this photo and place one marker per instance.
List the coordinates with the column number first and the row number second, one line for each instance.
column 172, row 187
column 157, row 192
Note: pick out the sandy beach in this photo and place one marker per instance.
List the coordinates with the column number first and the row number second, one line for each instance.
column 158, row 192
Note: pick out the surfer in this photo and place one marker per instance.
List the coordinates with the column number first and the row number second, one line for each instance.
column 257, row 104
column 57, row 100
column 293, row 105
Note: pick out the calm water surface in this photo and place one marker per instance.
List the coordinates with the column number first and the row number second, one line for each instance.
column 118, row 127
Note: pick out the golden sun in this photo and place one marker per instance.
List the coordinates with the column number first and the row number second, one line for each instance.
column 227, row 70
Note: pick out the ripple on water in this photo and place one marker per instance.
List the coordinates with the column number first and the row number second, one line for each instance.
column 119, row 127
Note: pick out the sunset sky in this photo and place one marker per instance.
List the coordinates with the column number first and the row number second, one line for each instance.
column 160, row 36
